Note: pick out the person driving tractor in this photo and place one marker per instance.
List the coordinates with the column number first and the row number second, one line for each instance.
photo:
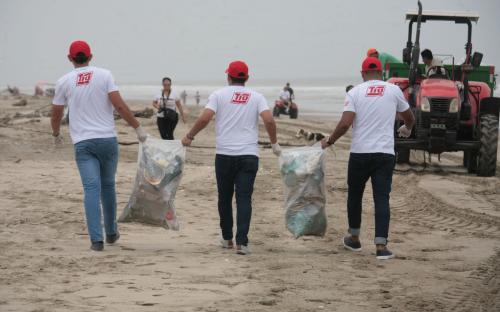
column 285, row 96
column 432, row 64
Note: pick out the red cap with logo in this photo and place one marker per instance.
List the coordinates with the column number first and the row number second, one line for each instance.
column 237, row 69
column 79, row 46
column 371, row 64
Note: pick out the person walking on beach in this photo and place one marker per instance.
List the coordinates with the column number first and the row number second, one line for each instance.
column 167, row 103
column 183, row 97
column 197, row 97
column 92, row 96
column 371, row 108
column 237, row 110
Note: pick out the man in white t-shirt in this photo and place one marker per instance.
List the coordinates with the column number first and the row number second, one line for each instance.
column 237, row 110
column 92, row 97
column 371, row 108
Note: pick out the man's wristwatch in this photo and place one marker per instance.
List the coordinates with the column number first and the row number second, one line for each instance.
column 55, row 135
column 190, row 137
column 329, row 142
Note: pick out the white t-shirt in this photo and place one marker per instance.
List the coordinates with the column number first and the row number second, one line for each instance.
column 375, row 103
column 85, row 90
column 285, row 95
column 237, row 111
column 169, row 103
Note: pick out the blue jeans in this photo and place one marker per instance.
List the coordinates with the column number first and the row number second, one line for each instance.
column 235, row 173
column 379, row 167
column 97, row 160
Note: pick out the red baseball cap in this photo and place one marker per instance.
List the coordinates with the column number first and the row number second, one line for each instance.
column 371, row 51
column 237, row 69
column 79, row 46
column 371, row 64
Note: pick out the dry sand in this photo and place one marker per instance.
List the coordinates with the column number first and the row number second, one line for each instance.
column 445, row 231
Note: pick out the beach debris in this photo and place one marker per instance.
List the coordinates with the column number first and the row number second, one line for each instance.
column 13, row 90
column 159, row 172
column 21, row 102
column 302, row 171
column 143, row 113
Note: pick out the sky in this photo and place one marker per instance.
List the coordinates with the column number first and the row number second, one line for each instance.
column 314, row 41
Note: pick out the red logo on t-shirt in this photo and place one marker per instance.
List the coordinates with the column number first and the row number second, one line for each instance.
column 375, row 91
column 83, row 78
column 240, row 98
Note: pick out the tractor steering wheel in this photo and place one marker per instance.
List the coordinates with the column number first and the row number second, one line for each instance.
column 438, row 72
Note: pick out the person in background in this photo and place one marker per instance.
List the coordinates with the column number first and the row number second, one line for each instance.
column 197, row 97
column 183, row 97
column 285, row 96
column 430, row 62
column 92, row 97
column 385, row 58
column 167, row 103
column 370, row 108
column 290, row 90
column 237, row 110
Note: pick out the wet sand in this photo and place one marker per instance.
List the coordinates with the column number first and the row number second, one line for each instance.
column 445, row 231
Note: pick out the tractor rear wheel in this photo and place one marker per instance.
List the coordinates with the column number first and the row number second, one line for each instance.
column 294, row 112
column 487, row 156
column 403, row 156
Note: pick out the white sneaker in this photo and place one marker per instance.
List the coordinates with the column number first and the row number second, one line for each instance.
column 227, row 244
column 242, row 250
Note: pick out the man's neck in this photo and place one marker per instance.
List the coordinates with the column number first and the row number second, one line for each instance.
column 81, row 65
column 237, row 84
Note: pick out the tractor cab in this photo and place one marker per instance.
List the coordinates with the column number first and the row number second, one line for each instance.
column 453, row 103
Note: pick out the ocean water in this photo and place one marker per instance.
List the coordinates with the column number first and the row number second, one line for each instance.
column 312, row 100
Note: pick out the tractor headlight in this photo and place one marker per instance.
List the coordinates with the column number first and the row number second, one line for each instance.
column 454, row 106
column 425, row 105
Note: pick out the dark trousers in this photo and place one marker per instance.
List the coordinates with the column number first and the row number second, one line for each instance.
column 378, row 167
column 166, row 126
column 235, row 173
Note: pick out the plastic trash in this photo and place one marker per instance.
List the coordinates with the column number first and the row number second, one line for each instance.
column 302, row 170
column 159, row 171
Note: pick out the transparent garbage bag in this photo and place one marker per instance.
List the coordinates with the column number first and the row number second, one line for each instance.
column 302, row 171
column 159, row 171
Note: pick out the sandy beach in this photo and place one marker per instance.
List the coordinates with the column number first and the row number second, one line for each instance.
column 445, row 232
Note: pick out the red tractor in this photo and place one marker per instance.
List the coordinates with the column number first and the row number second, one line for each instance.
column 283, row 108
column 454, row 105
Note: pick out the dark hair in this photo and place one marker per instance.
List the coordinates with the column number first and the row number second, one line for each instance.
column 238, row 80
column 427, row 54
column 81, row 58
column 348, row 88
column 166, row 78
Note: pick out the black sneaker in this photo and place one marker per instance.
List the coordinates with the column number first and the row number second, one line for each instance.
column 350, row 244
column 384, row 254
column 111, row 239
column 97, row 246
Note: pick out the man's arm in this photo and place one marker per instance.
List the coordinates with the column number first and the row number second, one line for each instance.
column 122, row 109
column 181, row 110
column 342, row 127
column 270, row 125
column 200, row 124
column 55, row 118
column 408, row 118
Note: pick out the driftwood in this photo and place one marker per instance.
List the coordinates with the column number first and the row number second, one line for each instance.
column 144, row 113
column 22, row 102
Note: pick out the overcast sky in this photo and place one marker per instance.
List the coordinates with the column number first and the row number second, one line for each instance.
column 142, row 41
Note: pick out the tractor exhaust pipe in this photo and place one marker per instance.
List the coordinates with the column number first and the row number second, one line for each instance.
column 415, row 55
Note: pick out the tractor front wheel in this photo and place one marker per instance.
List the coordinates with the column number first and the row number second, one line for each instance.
column 276, row 111
column 487, row 156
